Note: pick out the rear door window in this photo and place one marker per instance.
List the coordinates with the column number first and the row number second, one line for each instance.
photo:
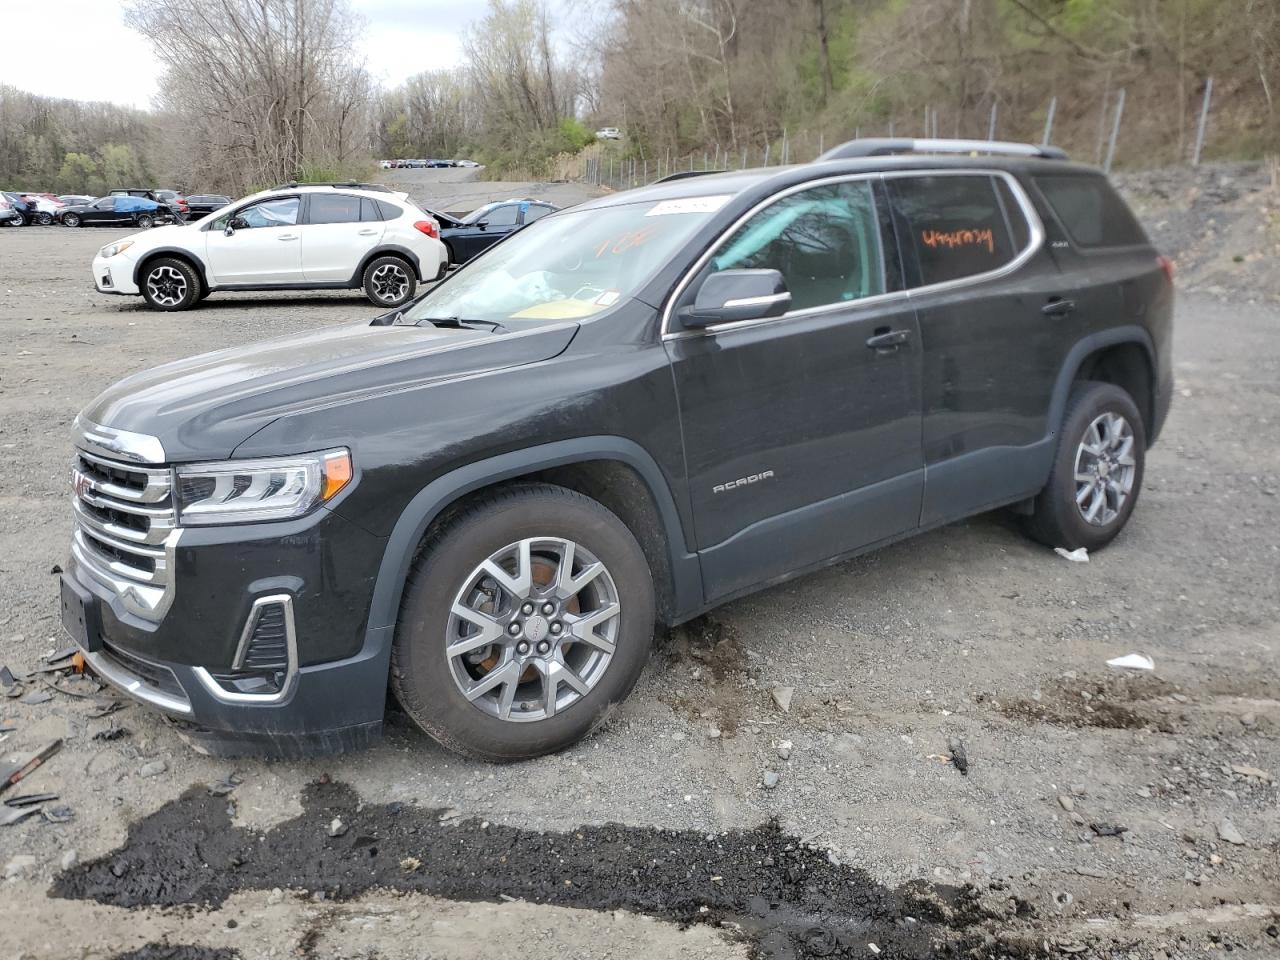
column 1091, row 212
column 825, row 242
column 333, row 208
column 956, row 226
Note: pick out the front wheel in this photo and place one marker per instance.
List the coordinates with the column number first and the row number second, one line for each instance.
column 389, row 281
column 525, row 620
column 144, row 221
column 44, row 219
column 170, row 284
column 1097, row 470
column 71, row 220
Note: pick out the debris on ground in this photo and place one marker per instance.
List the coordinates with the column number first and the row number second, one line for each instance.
column 959, row 756
column 105, row 708
column 220, row 788
column 36, row 697
column 336, row 827
column 31, row 765
column 112, row 733
column 1108, row 830
column 11, row 815
column 770, row 779
column 18, row 865
column 783, row 748
column 1244, row 770
column 1228, row 833
column 1132, row 661
column 27, row 799
column 69, row 859
column 782, row 697
column 1079, row 555
column 410, row 864
column 153, row 769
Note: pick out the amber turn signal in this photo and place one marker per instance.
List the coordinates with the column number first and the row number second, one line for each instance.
column 337, row 474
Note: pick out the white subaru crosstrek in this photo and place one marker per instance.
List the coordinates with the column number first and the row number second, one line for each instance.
column 331, row 236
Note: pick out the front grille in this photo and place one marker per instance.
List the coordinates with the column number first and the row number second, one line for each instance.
column 125, row 528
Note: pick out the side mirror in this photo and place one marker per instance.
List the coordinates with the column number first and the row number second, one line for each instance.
column 732, row 296
column 234, row 224
column 483, row 224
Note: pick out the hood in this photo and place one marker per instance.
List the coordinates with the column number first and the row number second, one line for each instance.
column 204, row 407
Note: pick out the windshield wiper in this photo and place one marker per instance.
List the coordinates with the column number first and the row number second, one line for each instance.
column 458, row 323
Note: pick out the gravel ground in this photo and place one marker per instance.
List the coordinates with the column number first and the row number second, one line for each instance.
column 970, row 632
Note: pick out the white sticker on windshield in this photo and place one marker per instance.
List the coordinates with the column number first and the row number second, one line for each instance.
column 690, row 205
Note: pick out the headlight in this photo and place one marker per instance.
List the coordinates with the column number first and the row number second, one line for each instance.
column 111, row 249
column 246, row 491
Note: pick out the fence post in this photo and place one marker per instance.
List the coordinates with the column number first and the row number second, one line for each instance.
column 766, row 153
column 611, row 171
column 744, row 158
column 784, row 145
column 890, row 128
column 991, row 125
column 1204, row 121
column 820, row 139
column 1115, row 131
column 1048, row 122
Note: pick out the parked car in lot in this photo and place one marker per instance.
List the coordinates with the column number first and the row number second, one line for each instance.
column 75, row 199
column 173, row 199
column 115, row 211
column 173, row 208
column 293, row 237
column 202, row 204
column 479, row 230
column 43, row 208
column 25, row 210
column 608, row 133
column 465, row 163
column 627, row 413
column 10, row 213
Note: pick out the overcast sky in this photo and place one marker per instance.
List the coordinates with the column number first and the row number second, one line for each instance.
column 81, row 49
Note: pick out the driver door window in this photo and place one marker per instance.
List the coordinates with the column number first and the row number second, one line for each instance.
column 282, row 212
column 824, row 241
column 503, row 216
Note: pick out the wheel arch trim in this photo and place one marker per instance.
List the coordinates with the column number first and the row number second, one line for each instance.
column 1086, row 347
column 432, row 500
column 357, row 278
column 191, row 258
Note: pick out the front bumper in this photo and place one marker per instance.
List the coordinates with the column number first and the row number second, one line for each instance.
column 114, row 275
column 319, row 569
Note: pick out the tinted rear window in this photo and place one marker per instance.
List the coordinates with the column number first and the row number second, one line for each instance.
column 389, row 210
column 956, row 225
column 1092, row 213
column 334, row 208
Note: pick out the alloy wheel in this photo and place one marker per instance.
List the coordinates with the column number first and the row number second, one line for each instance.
column 167, row 286
column 533, row 629
column 71, row 220
column 390, row 283
column 1105, row 469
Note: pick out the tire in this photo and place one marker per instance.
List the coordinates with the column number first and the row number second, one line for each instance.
column 169, row 283
column 448, row 574
column 71, row 220
column 1099, row 416
column 144, row 221
column 389, row 281
column 44, row 219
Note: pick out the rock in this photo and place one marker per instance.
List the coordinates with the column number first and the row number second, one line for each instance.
column 784, row 749
column 770, row 779
column 1078, row 789
column 18, row 866
column 1227, row 831
column 959, row 756
column 153, row 769
column 1247, row 771
column 1066, row 803
column 336, row 827
column 68, row 860
column 1249, row 719
column 782, row 697
column 677, row 736
column 1077, row 819
column 275, row 896
column 713, row 732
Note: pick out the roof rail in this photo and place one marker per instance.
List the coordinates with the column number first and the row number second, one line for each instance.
column 882, row 147
column 348, row 184
column 686, row 174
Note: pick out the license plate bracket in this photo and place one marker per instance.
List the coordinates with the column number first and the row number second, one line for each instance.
column 80, row 615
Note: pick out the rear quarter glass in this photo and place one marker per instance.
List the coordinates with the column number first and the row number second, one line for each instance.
column 1091, row 211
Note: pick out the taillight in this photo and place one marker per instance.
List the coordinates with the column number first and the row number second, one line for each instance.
column 429, row 227
column 1166, row 265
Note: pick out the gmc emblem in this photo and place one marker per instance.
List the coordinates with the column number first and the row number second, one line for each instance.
column 82, row 485
column 743, row 481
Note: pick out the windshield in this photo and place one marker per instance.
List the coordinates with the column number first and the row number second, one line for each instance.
column 568, row 265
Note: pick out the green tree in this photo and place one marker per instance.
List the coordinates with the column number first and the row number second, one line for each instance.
column 77, row 172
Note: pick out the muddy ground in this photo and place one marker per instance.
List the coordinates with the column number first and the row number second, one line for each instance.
column 657, row 836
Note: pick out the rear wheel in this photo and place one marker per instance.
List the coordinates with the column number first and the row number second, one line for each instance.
column 389, row 281
column 44, row 219
column 526, row 618
column 1097, row 470
column 144, row 221
column 170, row 284
column 71, row 220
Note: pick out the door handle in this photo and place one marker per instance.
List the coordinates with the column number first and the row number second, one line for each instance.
column 287, row 236
column 886, row 340
column 1058, row 307
column 367, row 233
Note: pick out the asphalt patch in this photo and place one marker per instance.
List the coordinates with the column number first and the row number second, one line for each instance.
column 787, row 898
column 163, row 951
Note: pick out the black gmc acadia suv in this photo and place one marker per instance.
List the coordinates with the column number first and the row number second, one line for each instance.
column 623, row 415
